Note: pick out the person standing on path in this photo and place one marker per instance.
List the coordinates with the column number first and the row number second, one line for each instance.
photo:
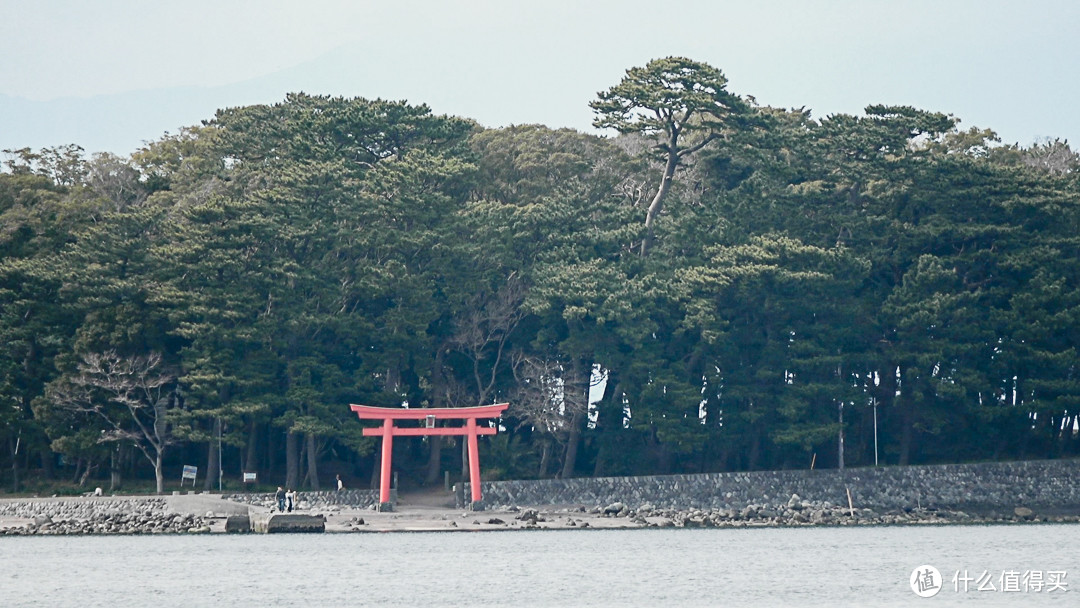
column 289, row 500
column 280, row 499
column 340, row 484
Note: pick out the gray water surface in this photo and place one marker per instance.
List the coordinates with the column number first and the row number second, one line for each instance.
column 865, row 566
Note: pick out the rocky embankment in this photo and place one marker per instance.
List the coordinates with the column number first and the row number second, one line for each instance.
column 988, row 493
column 989, row 489
column 798, row 512
column 104, row 516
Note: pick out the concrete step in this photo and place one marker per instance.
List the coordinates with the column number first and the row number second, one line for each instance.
column 284, row 523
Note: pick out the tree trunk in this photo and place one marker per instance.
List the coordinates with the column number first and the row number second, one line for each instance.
column 608, row 421
column 13, row 443
column 47, row 469
column 1067, row 437
column 114, row 469
column 312, row 479
column 755, row 451
column 570, row 458
column 907, row 432
column 301, row 461
column 272, row 452
column 658, row 201
column 376, row 469
column 292, row 460
column 582, row 379
column 434, row 460
column 545, row 456
column 213, row 463
column 907, row 423
column 159, row 474
column 887, row 404
column 251, row 458
column 840, row 439
column 723, row 461
column 438, row 385
column 464, row 458
column 666, row 459
column 86, row 473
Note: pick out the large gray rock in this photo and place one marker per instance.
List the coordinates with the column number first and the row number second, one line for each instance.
column 614, row 508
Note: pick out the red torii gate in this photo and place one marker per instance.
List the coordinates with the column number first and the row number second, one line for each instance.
column 429, row 416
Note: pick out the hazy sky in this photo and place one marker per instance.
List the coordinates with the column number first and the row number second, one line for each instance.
column 110, row 74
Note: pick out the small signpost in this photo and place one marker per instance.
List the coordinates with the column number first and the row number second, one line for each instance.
column 190, row 472
column 249, row 478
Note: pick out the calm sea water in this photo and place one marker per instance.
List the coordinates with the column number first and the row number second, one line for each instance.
column 744, row 567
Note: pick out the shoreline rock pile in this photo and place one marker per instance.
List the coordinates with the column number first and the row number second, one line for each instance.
column 121, row 516
column 798, row 512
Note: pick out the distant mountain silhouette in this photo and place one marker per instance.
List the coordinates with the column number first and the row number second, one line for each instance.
column 117, row 123
column 122, row 122
column 455, row 82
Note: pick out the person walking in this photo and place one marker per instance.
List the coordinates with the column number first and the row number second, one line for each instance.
column 280, row 499
column 290, row 498
column 340, row 484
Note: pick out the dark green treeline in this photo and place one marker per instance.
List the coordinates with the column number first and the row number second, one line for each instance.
column 742, row 285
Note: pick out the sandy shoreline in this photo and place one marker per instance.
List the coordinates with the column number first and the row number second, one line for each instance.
column 434, row 519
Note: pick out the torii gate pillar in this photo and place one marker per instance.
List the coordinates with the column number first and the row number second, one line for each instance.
column 429, row 415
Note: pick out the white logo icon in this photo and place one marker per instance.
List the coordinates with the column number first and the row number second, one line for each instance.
column 925, row 581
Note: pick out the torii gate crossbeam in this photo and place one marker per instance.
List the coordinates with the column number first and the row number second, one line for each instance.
column 387, row 431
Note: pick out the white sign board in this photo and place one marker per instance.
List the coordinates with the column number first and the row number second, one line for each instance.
column 249, row 477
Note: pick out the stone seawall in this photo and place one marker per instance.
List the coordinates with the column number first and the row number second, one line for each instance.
column 1051, row 485
column 352, row 499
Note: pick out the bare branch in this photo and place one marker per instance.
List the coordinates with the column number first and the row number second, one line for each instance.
column 142, row 390
column 549, row 394
column 484, row 328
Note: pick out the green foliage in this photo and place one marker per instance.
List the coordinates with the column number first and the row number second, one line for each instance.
column 671, row 94
column 289, row 259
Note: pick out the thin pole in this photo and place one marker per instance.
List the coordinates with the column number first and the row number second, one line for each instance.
column 474, row 460
column 219, row 465
column 841, row 449
column 387, row 451
column 875, row 433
